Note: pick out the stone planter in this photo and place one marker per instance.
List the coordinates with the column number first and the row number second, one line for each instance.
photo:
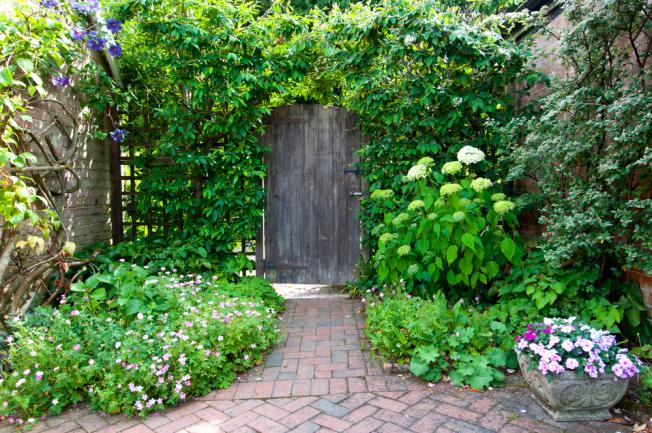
column 567, row 397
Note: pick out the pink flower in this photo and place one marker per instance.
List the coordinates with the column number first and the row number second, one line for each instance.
column 76, row 347
column 567, row 345
column 572, row 364
column 74, row 313
column 39, row 375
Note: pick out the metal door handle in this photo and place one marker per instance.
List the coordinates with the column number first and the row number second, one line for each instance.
column 355, row 194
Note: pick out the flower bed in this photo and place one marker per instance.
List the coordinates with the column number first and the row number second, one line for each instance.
column 193, row 336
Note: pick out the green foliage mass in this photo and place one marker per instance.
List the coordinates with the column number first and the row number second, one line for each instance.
column 536, row 289
column 438, row 339
column 129, row 342
column 201, row 76
column 423, row 79
column 587, row 142
column 155, row 254
column 452, row 236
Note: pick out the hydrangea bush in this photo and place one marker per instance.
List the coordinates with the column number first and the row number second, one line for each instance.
column 559, row 345
column 135, row 363
column 456, row 231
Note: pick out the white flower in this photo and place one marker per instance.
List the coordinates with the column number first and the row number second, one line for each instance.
column 118, row 344
column 419, row 171
column 55, row 402
column 470, row 155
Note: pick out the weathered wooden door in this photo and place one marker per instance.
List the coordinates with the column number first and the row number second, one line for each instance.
column 310, row 233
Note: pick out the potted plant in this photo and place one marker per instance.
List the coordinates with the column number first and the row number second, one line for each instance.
column 576, row 372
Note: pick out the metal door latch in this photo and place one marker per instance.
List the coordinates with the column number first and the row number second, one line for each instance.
column 355, row 194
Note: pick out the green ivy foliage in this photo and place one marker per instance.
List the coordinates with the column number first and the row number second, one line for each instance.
column 587, row 143
column 201, row 76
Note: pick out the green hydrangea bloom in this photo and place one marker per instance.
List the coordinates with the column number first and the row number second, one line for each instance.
column 413, row 269
column 464, row 201
column 426, row 160
column 452, row 167
column 386, row 237
column 458, row 216
column 449, row 189
column 480, row 184
column 416, row 204
column 400, row 219
column 404, row 250
column 498, row 196
column 382, row 194
column 503, row 206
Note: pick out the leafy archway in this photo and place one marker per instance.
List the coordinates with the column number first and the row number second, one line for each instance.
column 423, row 79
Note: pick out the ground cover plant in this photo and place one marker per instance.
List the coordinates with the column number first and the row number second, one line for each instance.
column 438, row 339
column 130, row 342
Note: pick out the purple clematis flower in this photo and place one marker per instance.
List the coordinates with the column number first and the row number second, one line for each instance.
column 85, row 6
column 115, row 50
column 113, row 25
column 61, row 81
column 118, row 135
column 95, row 42
column 77, row 34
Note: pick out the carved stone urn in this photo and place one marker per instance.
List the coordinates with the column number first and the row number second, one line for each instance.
column 569, row 397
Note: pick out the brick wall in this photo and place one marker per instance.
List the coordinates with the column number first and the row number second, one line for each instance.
column 85, row 212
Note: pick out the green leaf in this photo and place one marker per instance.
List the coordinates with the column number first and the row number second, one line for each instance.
column 418, row 367
column 497, row 357
column 469, row 240
column 6, row 77
column 26, row 65
column 99, row 294
column 133, row 306
column 451, row 253
column 508, row 247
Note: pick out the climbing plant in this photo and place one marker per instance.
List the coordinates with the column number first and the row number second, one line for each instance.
column 201, row 77
column 45, row 55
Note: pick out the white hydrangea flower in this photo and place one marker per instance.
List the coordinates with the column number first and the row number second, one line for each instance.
column 480, row 184
column 419, row 171
column 503, row 206
column 470, row 155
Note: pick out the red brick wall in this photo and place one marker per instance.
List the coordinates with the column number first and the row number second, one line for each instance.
column 86, row 212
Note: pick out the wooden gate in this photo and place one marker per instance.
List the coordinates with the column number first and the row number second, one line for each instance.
column 310, row 232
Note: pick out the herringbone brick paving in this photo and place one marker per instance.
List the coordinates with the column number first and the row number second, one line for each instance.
column 320, row 380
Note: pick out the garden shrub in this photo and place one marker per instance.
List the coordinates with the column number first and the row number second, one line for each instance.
column 438, row 339
column 456, row 233
column 536, row 289
column 587, row 142
column 194, row 338
column 185, row 255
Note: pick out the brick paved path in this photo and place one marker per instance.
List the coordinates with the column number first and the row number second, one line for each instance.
column 321, row 380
